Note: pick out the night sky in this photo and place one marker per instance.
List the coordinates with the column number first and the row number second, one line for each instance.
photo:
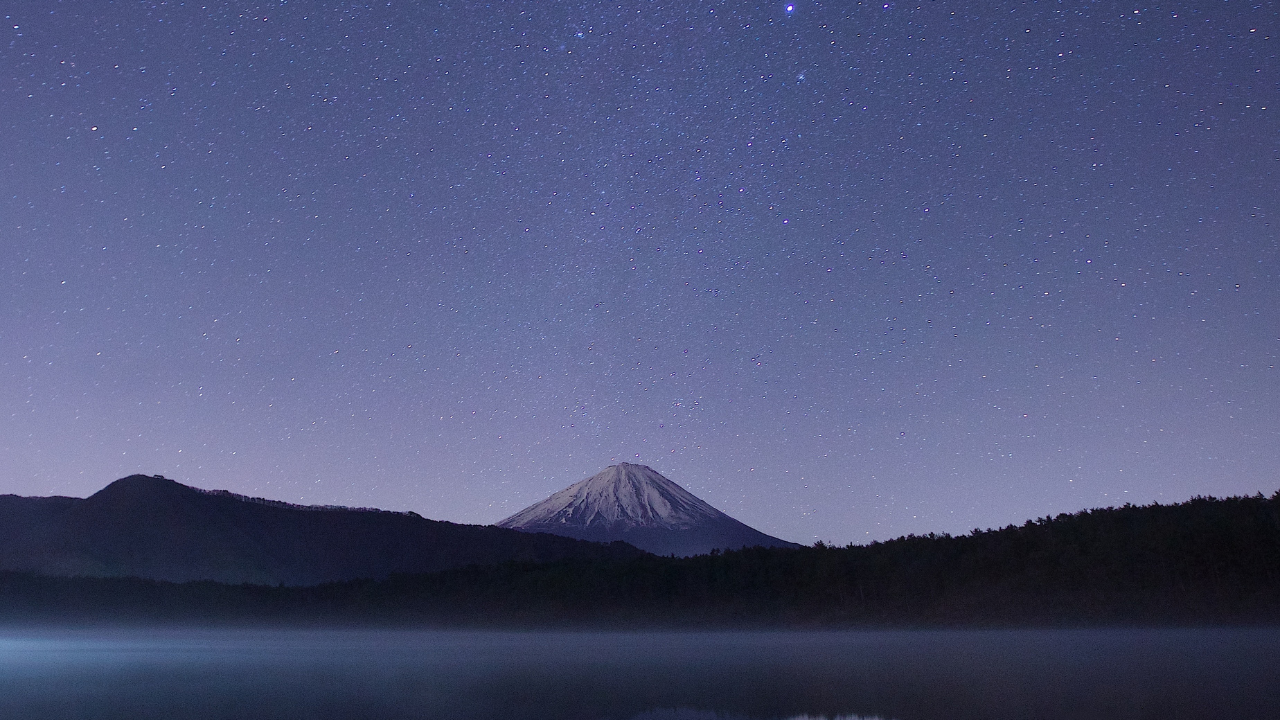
column 844, row 270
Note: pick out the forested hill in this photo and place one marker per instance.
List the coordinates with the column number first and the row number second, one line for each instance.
column 1203, row 561
column 153, row 527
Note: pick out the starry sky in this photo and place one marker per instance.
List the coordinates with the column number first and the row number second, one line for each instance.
column 845, row 270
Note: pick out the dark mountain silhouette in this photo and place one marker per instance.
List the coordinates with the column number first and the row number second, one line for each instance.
column 152, row 527
column 637, row 505
column 1201, row 562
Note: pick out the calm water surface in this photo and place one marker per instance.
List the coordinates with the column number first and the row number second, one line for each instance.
column 934, row 675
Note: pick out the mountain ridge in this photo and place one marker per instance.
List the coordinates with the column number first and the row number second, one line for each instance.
column 155, row 528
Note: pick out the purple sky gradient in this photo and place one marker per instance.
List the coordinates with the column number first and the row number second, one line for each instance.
column 846, row 273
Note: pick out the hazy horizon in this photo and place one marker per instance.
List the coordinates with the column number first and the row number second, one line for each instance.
column 931, row 675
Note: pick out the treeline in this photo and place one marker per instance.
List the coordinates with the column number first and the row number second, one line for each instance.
column 1203, row 561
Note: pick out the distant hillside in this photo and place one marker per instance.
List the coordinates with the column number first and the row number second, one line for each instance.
column 151, row 527
column 1203, row 561
column 637, row 505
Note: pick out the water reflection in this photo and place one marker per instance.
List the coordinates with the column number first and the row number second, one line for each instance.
column 684, row 714
column 641, row 676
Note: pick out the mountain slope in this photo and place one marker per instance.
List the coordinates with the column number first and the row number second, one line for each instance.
column 156, row 528
column 637, row 505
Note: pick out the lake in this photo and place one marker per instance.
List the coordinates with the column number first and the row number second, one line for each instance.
column 888, row 675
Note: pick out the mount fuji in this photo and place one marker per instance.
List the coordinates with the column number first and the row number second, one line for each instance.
column 636, row 504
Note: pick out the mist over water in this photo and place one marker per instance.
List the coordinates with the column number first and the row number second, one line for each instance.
column 892, row 675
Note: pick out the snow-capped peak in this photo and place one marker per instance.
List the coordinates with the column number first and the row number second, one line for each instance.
column 619, row 497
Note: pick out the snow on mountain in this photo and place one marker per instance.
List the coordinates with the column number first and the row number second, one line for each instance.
column 636, row 504
column 620, row 496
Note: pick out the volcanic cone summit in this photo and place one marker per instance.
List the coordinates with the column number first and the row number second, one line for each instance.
column 636, row 504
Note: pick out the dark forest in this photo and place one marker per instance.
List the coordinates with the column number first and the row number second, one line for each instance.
column 1204, row 561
